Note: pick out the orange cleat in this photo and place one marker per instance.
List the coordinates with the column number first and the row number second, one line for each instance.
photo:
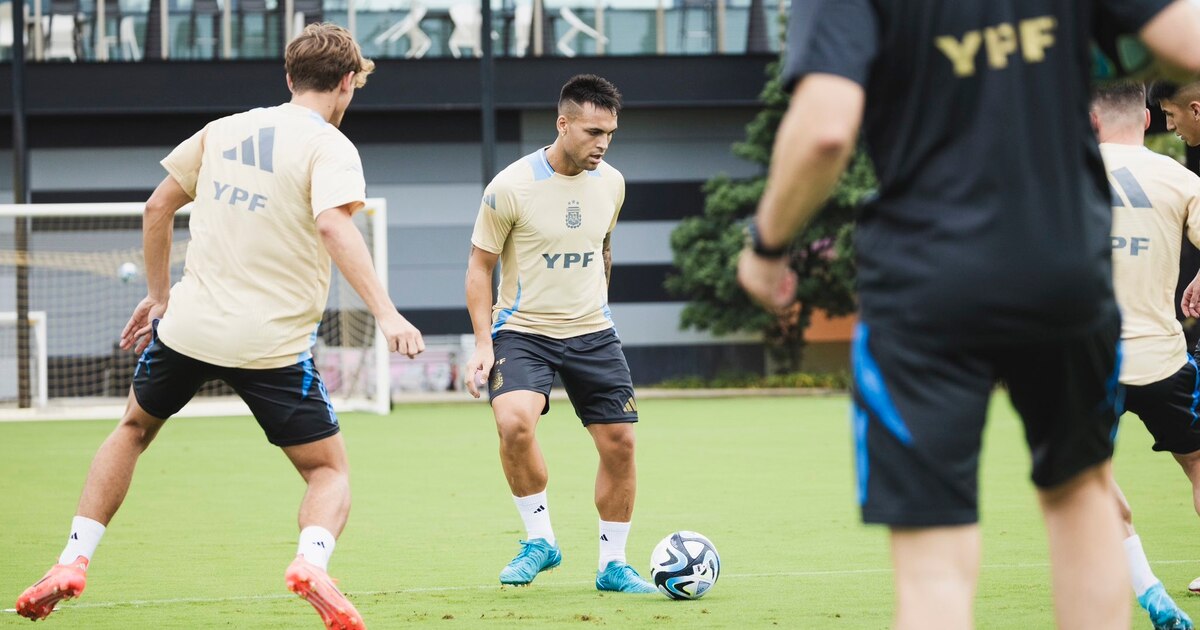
column 315, row 586
column 62, row 581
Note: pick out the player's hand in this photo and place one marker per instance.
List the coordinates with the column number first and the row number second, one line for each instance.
column 1190, row 304
column 479, row 368
column 139, row 330
column 401, row 336
column 770, row 282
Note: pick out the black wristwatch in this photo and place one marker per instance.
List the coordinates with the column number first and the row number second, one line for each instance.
column 754, row 242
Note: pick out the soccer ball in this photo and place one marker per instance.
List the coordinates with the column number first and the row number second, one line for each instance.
column 685, row 565
column 127, row 272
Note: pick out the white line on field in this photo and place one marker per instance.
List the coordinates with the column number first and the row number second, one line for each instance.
column 438, row 589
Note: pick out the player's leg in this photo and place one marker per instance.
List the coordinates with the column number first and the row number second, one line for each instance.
column 1190, row 462
column 1166, row 409
column 519, row 390
column 292, row 406
column 164, row 381
column 1089, row 572
column 1067, row 394
column 937, row 569
column 918, row 419
column 598, row 382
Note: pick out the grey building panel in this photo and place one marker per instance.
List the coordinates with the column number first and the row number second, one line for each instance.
column 436, row 287
column 657, row 324
column 428, row 205
column 429, row 247
column 662, row 145
column 642, row 243
column 95, row 169
column 429, row 163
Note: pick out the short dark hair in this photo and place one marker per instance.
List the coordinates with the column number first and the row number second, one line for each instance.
column 1120, row 96
column 589, row 88
column 1162, row 91
column 1180, row 95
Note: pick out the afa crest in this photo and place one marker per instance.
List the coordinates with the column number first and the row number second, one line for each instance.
column 574, row 215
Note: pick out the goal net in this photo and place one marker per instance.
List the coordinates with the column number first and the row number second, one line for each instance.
column 83, row 268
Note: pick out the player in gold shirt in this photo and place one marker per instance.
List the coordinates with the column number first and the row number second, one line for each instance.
column 274, row 190
column 1156, row 203
column 548, row 219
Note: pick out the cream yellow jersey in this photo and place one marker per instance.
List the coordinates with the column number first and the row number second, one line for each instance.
column 549, row 231
column 256, row 275
column 1156, row 201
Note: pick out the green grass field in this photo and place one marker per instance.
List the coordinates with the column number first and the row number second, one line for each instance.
column 209, row 525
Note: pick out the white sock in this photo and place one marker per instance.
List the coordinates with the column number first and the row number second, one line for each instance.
column 316, row 545
column 612, row 542
column 85, row 536
column 535, row 511
column 1139, row 567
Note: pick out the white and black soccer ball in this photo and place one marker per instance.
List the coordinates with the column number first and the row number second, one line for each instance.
column 685, row 565
column 127, row 272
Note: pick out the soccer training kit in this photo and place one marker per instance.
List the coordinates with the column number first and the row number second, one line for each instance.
column 1156, row 202
column 985, row 255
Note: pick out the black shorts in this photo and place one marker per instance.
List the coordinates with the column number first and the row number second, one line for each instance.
column 1169, row 409
column 919, row 413
column 592, row 368
column 290, row 403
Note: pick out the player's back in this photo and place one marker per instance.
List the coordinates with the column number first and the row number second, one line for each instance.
column 992, row 222
column 1155, row 204
column 257, row 276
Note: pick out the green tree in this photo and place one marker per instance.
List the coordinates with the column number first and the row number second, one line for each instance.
column 705, row 247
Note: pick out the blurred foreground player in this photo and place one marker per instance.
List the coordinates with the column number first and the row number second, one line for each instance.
column 985, row 257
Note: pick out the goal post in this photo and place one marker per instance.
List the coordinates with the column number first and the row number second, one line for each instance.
column 85, row 275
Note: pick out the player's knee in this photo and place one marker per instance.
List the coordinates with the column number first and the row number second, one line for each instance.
column 515, row 436
column 138, row 431
column 619, row 443
column 514, row 431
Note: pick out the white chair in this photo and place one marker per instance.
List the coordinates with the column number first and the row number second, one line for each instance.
column 60, row 36
column 522, row 21
column 577, row 26
column 128, row 40
column 418, row 42
column 297, row 24
column 467, row 23
column 6, row 25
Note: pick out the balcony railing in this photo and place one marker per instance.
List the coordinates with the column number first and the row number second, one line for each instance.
column 131, row 30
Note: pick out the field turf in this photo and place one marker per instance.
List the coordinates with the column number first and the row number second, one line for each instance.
column 209, row 525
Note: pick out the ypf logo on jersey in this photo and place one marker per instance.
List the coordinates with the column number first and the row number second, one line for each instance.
column 574, row 215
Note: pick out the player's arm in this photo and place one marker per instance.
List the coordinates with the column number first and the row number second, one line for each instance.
column 814, row 144
column 349, row 252
column 158, row 225
column 1189, row 303
column 1173, row 34
column 606, row 253
column 480, row 266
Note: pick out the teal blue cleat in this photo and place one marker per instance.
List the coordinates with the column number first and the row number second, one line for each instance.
column 536, row 556
column 1164, row 613
column 620, row 577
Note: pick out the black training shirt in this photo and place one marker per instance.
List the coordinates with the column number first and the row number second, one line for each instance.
column 993, row 215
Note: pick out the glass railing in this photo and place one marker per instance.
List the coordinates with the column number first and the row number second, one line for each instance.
column 131, row 30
